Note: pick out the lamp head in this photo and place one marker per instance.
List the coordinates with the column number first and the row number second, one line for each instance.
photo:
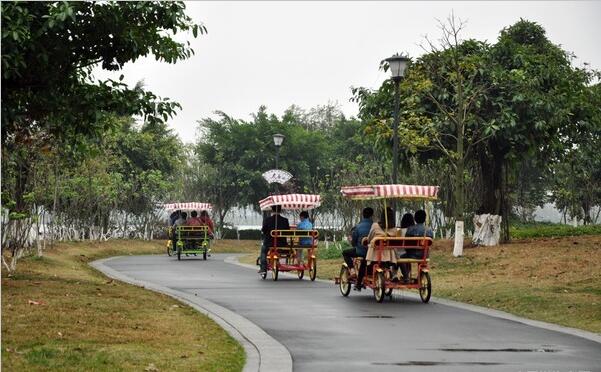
column 397, row 64
column 278, row 139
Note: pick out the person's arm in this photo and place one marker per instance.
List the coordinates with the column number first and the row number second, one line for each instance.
column 265, row 227
column 355, row 237
column 372, row 233
column 429, row 233
column 286, row 224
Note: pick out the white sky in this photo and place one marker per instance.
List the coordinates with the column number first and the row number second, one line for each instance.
column 308, row 53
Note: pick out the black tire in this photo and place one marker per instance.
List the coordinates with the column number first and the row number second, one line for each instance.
column 169, row 251
column 301, row 274
column 274, row 270
column 425, row 290
column 345, row 284
column 204, row 255
column 179, row 253
column 313, row 269
column 388, row 277
column 379, row 287
column 264, row 275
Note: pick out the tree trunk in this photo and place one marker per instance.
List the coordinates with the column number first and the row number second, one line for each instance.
column 459, row 180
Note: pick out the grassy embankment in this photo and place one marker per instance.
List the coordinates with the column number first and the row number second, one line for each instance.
column 60, row 314
column 554, row 279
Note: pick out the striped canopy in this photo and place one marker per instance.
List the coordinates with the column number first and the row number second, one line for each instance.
column 188, row 206
column 366, row 192
column 291, row 201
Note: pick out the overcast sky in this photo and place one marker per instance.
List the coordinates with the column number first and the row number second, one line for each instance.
column 308, row 53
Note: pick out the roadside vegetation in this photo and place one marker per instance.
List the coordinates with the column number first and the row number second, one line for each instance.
column 60, row 314
column 548, row 230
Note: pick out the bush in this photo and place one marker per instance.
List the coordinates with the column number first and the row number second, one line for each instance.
column 547, row 230
column 227, row 233
column 334, row 250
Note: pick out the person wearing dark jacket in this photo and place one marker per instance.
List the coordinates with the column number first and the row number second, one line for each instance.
column 360, row 231
column 273, row 222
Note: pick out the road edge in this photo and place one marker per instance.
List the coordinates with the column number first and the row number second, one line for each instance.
column 263, row 352
column 591, row 336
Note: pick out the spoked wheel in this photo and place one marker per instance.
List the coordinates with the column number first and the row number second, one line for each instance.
column 379, row 287
column 169, row 251
column 301, row 274
column 274, row 270
column 425, row 288
column 313, row 269
column 345, row 284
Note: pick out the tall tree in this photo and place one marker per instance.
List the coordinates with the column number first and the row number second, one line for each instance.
column 51, row 101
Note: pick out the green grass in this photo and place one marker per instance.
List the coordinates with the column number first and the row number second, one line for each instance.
column 542, row 230
column 87, row 322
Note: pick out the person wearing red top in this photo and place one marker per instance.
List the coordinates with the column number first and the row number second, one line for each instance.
column 194, row 220
column 206, row 221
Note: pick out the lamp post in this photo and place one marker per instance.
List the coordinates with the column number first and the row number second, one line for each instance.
column 397, row 64
column 277, row 140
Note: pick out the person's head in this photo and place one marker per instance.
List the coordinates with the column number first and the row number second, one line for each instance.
column 368, row 212
column 304, row 215
column 204, row 214
column 275, row 209
column 420, row 216
column 407, row 220
column 184, row 215
column 387, row 218
column 194, row 214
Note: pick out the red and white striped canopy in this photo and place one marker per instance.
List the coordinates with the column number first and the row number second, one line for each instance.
column 390, row 191
column 188, row 206
column 291, row 201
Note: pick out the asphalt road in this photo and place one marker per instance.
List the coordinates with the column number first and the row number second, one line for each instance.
column 327, row 332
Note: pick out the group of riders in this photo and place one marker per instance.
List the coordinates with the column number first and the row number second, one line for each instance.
column 278, row 222
column 363, row 236
column 362, row 240
column 179, row 218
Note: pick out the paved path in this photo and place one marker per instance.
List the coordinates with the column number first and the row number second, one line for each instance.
column 326, row 332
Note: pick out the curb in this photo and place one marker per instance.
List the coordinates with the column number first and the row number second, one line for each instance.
column 591, row 336
column 263, row 352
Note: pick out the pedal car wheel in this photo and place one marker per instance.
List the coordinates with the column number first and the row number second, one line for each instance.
column 169, row 251
column 379, row 287
column 388, row 277
column 301, row 274
column 274, row 273
column 274, row 269
column 313, row 269
column 425, row 288
column 345, row 284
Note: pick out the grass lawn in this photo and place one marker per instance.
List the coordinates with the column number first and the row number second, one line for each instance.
column 60, row 314
column 555, row 280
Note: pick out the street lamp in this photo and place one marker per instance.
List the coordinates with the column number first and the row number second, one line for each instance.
column 277, row 140
column 397, row 64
